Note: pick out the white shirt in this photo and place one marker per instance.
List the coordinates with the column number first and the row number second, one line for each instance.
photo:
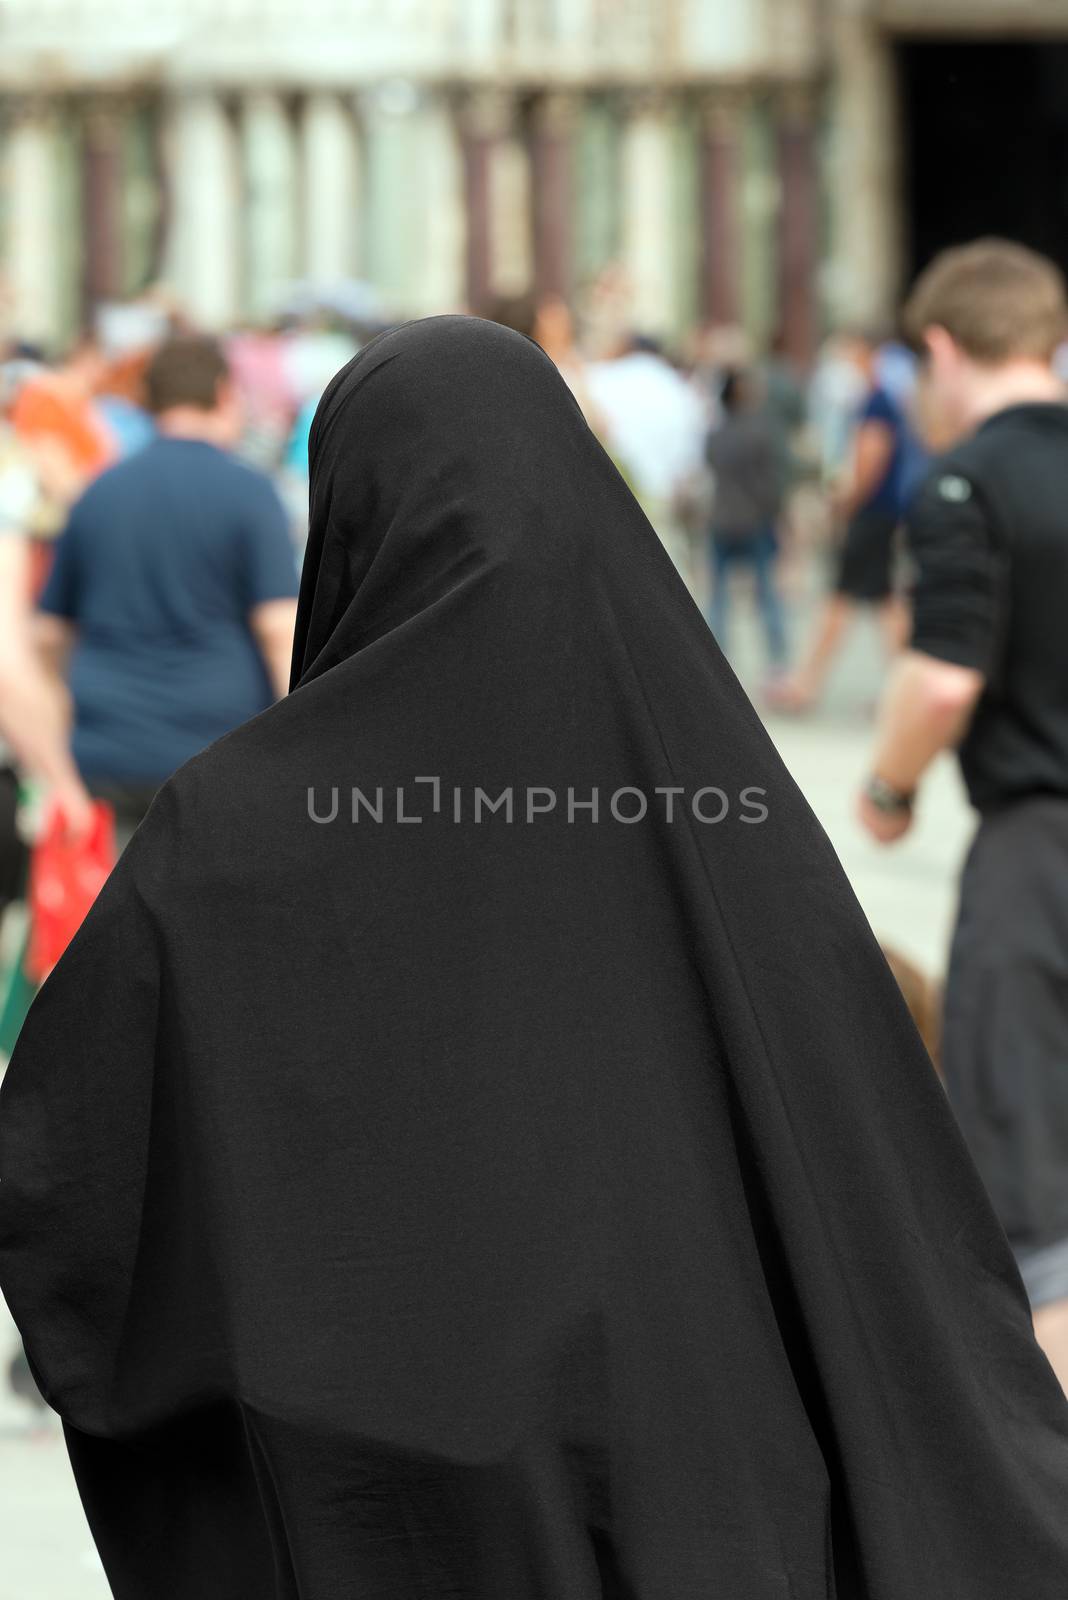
column 654, row 420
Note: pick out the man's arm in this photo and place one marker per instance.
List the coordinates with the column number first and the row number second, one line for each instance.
column 33, row 710
column 936, row 685
column 270, row 579
column 926, row 708
column 273, row 623
column 53, row 640
column 873, row 449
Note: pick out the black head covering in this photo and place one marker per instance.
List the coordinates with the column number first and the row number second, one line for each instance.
column 511, row 1209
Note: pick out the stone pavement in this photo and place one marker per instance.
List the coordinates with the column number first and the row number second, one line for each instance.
column 908, row 891
column 908, row 894
column 46, row 1552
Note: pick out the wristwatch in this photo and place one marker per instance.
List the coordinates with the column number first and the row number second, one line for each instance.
column 884, row 797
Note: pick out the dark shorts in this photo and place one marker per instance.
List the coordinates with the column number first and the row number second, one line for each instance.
column 1005, row 1039
column 865, row 562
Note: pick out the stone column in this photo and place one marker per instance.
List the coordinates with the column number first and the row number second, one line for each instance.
column 598, row 188
column 798, row 243
column 721, row 115
column 144, row 193
column 394, row 212
column 31, row 254
column 485, row 122
column 864, row 275
column 551, row 159
column 761, row 204
column 439, row 282
column 102, row 188
column 414, row 227
column 647, row 231
column 413, row 216
column 202, row 249
column 270, row 186
column 511, row 214
column 330, row 187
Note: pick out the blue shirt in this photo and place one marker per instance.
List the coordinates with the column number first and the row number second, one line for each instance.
column 129, row 426
column 891, row 493
column 163, row 559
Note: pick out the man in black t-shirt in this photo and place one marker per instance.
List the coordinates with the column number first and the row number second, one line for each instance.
column 987, row 672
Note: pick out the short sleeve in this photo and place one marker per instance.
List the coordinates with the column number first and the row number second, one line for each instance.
column 957, row 597
column 878, row 407
column 60, row 596
column 269, row 555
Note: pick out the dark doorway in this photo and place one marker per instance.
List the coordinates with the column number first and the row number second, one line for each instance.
column 986, row 144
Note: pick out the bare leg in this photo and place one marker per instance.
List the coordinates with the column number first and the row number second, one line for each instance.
column 1051, row 1331
column 804, row 686
column 894, row 619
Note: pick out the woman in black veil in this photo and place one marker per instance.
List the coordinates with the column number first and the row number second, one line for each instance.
column 412, row 1192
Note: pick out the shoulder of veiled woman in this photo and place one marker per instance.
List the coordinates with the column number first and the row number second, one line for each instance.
column 218, row 809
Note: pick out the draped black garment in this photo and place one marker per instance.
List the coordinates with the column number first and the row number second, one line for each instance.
column 518, row 1209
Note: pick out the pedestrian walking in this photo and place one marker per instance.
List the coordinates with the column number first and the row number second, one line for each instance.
column 868, row 502
column 57, row 416
column 33, row 715
column 744, row 455
column 653, row 420
column 986, row 673
column 171, row 601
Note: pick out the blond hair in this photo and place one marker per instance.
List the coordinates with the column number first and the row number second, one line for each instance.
column 996, row 299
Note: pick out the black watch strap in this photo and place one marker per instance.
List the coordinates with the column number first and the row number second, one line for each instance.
column 884, row 797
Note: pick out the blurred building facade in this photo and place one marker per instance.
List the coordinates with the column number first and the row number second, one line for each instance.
column 741, row 160
column 443, row 150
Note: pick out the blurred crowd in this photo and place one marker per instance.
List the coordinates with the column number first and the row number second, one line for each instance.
column 153, row 509
column 743, row 462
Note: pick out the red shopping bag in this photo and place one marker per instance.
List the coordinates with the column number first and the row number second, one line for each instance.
column 66, row 875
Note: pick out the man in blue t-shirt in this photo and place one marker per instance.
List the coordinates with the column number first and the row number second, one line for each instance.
column 868, row 503
column 173, row 591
